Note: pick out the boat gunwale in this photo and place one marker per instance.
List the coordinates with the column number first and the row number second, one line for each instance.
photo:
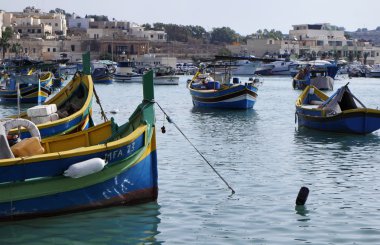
column 60, row 95
column 141, row 129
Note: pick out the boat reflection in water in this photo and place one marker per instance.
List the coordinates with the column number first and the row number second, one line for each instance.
column 118, row 225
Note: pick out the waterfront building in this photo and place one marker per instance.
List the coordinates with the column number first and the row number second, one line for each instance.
column 49, row 49
column 266, row 46
column 153, row 60
column 154, row 36
column 80, row 23
column 315, row 40
column 34, row 23
column 101, row 29
column 325, row 38
column 121, row 47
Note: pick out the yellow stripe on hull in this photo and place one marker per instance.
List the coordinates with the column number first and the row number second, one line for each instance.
column 58, row 149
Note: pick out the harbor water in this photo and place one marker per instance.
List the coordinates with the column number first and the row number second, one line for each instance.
column 262, row 154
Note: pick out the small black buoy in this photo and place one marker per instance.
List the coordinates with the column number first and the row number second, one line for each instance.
column 163, row 130
column 302, row 196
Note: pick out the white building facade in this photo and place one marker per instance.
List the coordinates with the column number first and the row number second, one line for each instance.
column 32, row 22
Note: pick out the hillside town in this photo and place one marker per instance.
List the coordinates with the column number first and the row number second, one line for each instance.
column 181, row 130
column 55, row 35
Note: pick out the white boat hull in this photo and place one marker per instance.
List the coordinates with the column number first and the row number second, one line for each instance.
column 166, row 80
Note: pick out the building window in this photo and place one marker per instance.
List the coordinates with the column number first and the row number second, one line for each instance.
column 26, row 50
column 19, row 31
column 33, row 30
column 38, row 30
column 54, row 50
column 73, row 48
column 34, row 50
column 56, row 24
column 48, row 49
column 122, row 49
column 79, row 25
column 319, row 43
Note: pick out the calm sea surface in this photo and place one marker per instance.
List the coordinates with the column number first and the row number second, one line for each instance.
column 263, row 156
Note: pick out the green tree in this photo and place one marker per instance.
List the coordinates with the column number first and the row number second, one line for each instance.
column 223, row 35
column 365, row 55
column 159, row 26
column 4, row 41
column 269, row 34
column 98, row 17
column 197, row 32
column 176, row 32
column 16, row 48
column 147, row 26
column 350, row 57
column 224, row 52
column 259, row 33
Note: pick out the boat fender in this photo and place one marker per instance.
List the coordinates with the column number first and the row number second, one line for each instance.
column 85, row 168
column 30, row 126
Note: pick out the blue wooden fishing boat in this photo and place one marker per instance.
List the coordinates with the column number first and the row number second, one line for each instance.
column 46, row 79
column 341, row 112
column 104, row 166
column 125, row 73
column 220, row 93
column 23, row 88
column 74, row 108
column 102, row 75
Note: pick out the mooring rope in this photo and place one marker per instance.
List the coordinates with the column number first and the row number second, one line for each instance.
column 100, row 105
column 204, row 158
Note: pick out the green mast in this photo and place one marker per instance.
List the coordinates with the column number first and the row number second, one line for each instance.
column 148, row 89
column 86, row 63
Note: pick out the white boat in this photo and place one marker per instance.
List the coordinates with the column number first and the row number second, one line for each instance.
column 185, row 69
column 375, row 71
column 124, row 73
column 166, row 80
column 164, row 75
column 279, row 68
column 238, row 67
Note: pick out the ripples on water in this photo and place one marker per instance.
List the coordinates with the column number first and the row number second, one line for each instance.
column 260, row 152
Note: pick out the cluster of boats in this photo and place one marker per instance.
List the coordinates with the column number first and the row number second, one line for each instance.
column 67, row 164
column 126, row 72
column 341, row 112
column 54, row 160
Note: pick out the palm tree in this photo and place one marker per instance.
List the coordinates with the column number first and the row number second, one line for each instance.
column 4, row 40
column 16, row 48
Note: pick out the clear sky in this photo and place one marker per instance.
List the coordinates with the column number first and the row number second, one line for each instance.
column 243, row 16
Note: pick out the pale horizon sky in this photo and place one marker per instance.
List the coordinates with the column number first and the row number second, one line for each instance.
column 243, row 16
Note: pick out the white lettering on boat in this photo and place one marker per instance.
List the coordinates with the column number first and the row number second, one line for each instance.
column 110, row 156
column 131, row 147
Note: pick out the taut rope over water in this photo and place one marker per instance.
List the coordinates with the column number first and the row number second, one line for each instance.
column 175, row 125
column 100, row 105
